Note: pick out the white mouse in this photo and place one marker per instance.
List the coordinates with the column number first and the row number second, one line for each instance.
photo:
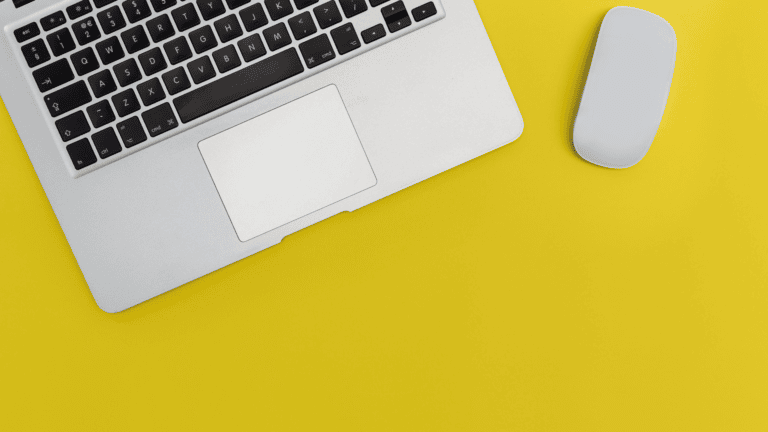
column 627, row 88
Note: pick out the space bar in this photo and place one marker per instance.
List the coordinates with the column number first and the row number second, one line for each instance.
column 240, row 84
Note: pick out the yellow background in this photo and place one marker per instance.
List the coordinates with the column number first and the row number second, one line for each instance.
column 526, row 290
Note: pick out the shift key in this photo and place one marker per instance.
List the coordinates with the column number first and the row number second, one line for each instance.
column 67, row 99
column 160, row 120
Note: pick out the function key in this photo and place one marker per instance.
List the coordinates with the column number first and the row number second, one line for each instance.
column 53, row 75
column 79, row 9
column 27, row 32
column 374, row 33
column 396, row 16
column 161, row 5
column 102, row 3
column 131, row 132
column 345, row 38
column 81, row 153
column 136, row 10
column 424, row 11
column 72, row 126
column 111, row 19
column 186, row 17
column 86, row 31
column 35, row 53
column 254, row 17
column 353, row 7
column 375, row 3
column 53, row 20
column 106, row 143
column 278, row 8
column 61, row 42
column 301, row 4
column 234, row 4
column 20, row 3
column 211, row 8
column 327, row 14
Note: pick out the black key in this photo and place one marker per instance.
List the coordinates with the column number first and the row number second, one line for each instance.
column 127, row 72
column 20, row 3
column 131, row 132
column 186, row 17
column 176, row 81
column 254, row 17
column 345, row 38
column 374, row 33
column 238, row 85
column 86, row 31
column 102, row 83
column 125, row 103
column 252, row 48
column 203, row 39
column 81, row 153
column 317, row 51
column 151, row 92
column 79, row 9
column 161, row 5
column 61, row 42
column 302, row 26
column 201, row 69
column 72, row 126
column 424, row 11
column 27, row 32
column 84, row 61
column 226, row 59
column 327, row 14
column 160, row 120
column 277, row 37
column 53, row 75
column 106, row 143
column 135, row 39
column 152, row 61
column 160, row 28
column 177, row 50
column 111, row 19
column 228, row 28
column 110, row 50
column 396, row 16
column 100, row 114
column 375, row 3
column 210, row 8
column 353, row 7
column 278, row 8
column 136, row 10
column 35, row 53
column 234, row 4
column 65, row 100
column 53, row 20
column 102, row 3
column 301, row 4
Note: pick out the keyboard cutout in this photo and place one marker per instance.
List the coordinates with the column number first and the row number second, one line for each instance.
column 287, row 163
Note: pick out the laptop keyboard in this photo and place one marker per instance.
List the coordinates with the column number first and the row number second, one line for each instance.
column 116, row 77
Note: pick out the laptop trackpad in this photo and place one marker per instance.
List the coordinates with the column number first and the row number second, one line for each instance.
column 287, row 163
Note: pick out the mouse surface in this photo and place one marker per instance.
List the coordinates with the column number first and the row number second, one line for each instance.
column 627, row 88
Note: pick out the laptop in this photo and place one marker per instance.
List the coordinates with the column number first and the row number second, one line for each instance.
column 175, row 137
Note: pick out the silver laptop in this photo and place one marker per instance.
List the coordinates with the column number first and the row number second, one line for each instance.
column 174, row 137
